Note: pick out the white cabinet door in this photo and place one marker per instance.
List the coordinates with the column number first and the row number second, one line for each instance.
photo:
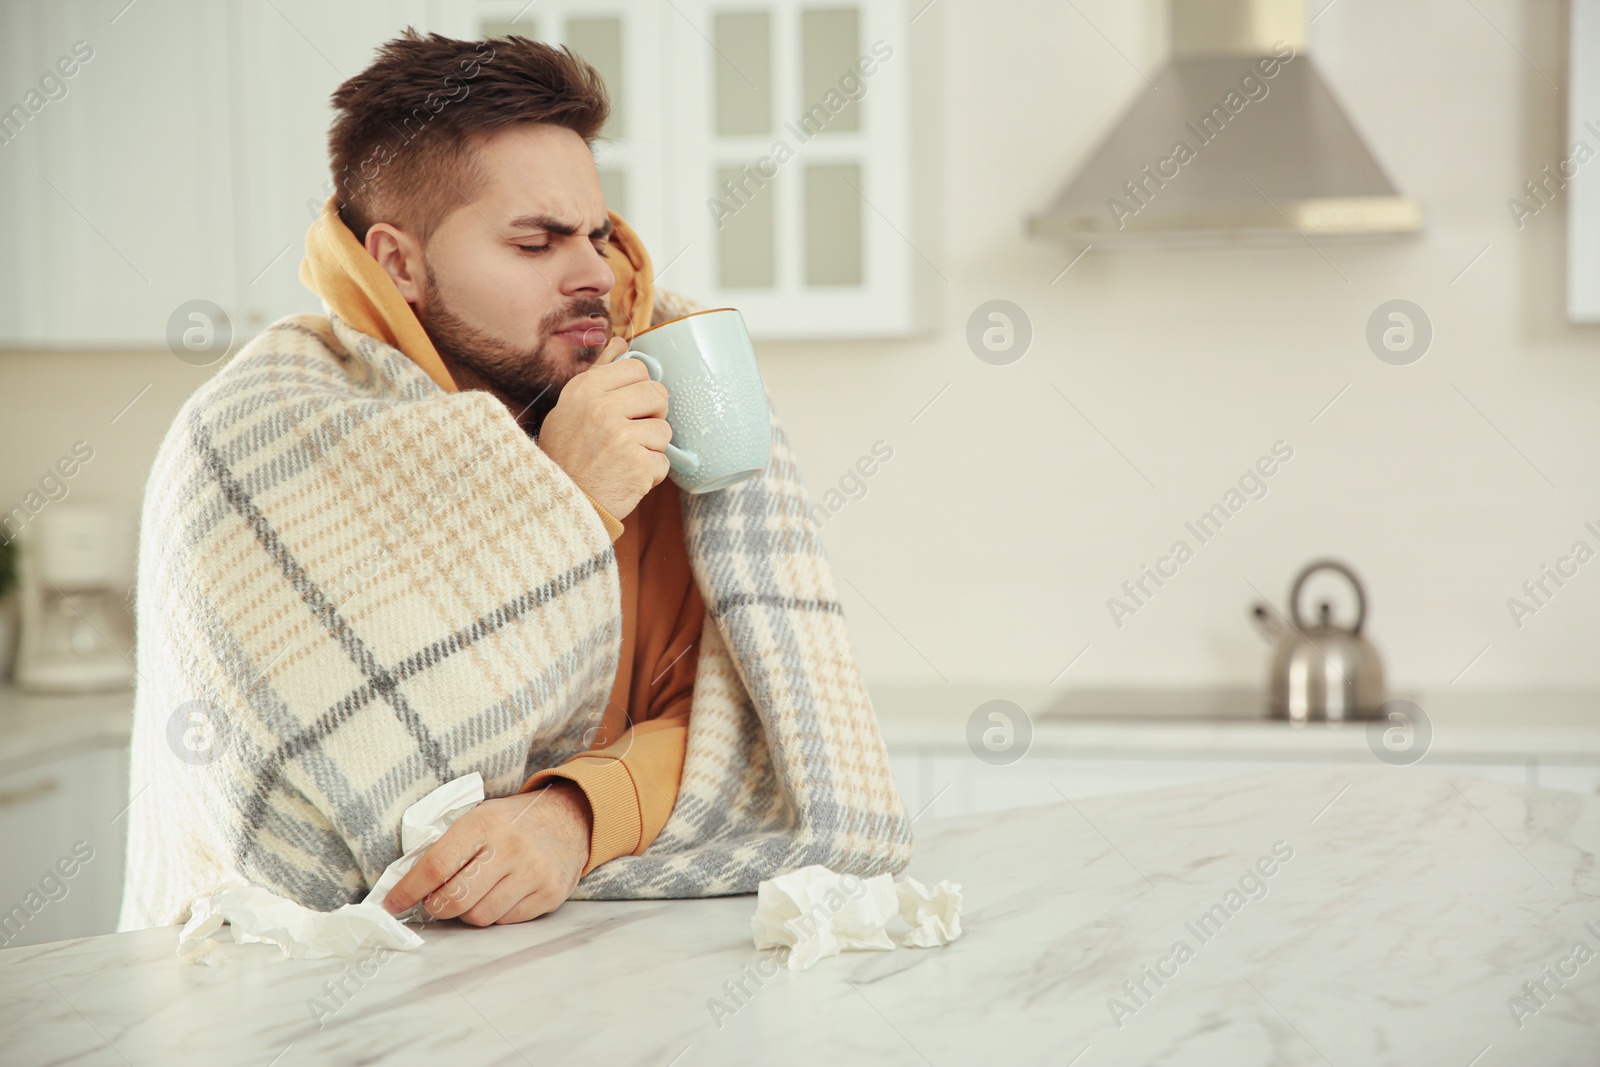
column 792, row 194
column 1573, row 778
column 122, row 189
column 285, row 60
column 64, row 834
column 183, row 160
column 964, row 784
column 178, row 165
column 971, row 785
column 1583, row 191
column 907, row 767
column 1523, row 772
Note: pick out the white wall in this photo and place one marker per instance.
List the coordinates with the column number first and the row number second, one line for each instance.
column 989, row 545
column 985, row 550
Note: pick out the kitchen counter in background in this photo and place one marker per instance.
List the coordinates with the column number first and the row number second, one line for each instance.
column 1095, row 743
column 1529, row 729
column 1322, row 915
column 63, row 762
column 38, row 728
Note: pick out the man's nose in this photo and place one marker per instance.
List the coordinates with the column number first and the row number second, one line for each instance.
column 590, row 275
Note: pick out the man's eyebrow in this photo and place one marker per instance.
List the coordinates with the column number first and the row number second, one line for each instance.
column 555, row 225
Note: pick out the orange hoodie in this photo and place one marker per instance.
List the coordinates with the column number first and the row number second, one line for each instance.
column 632, row 771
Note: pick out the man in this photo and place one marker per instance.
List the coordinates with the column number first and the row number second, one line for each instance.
column 467, row 253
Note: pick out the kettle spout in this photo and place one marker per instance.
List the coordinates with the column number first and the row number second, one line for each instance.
column 1268, row 623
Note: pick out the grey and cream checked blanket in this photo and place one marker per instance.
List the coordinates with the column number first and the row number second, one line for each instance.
column 354, row 586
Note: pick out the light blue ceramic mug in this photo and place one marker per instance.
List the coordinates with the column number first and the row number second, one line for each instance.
column 716, row 404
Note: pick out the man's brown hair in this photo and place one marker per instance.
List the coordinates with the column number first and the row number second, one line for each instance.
column 404, row 144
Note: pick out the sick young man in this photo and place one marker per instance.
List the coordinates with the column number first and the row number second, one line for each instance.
column 430, row 533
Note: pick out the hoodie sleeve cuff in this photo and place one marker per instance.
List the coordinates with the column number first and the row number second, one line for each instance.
column 613, row 524
column 613, row 802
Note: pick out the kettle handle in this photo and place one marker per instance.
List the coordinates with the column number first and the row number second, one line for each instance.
column 1328, row 565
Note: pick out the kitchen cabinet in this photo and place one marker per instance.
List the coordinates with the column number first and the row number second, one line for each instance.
column 1583, row 193
column 280, row 63
column 65, row 839
column 185, row 160
column 1575, row 778
column 118, row 185
column 177, row 167
column 793, row 165
column 1143, row 739
column 940, row 782
column 1045, row 779
column 948, row 783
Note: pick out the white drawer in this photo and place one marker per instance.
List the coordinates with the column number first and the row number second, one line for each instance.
column 64, row 842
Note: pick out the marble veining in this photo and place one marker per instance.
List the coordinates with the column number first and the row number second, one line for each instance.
column 1413, row 912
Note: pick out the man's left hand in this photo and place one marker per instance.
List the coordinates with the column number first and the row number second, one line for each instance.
column 506, row 861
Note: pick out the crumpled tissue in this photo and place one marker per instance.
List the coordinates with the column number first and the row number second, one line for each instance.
column 817, row 913
column 933, row 915
column 256, row 915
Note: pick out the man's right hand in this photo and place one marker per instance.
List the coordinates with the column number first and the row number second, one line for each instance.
column 609, row 431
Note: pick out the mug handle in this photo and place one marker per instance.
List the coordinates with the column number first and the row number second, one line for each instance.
column 682, row 459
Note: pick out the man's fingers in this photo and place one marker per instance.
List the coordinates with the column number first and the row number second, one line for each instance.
column 531, row 907
column 438, row 865
column 466, row 888
column 654, row 434
column 608, row 377
column 492, row 896
column 498, row 902
column 614, row 348
column 663, row 467
column 643, row 399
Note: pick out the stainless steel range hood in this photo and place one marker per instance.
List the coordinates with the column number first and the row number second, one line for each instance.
column 1238, row 141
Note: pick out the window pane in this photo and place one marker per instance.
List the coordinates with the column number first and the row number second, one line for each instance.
column 526, row 26
column 830, row 40
column 614, row 186
column 745, row 245
column 833, row 224
column 599, row 42
column 743, row 60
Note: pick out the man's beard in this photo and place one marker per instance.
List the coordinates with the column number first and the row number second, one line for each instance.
column 528, row 379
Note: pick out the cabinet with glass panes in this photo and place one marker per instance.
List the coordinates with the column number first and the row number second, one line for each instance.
column 763, row 151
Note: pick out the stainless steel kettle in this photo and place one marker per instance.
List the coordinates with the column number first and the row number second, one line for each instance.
column 1322, row 672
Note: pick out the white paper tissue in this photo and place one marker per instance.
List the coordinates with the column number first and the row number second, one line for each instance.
column 256, row 915
column 817, row 913
column 934, row 916
column 421, row 825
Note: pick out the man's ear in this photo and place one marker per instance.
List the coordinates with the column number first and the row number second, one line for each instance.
column 400, row 254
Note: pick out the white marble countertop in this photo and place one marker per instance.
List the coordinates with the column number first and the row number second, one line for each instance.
column 1410, row 911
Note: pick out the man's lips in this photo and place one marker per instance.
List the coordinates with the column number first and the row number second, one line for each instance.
column 584, row 335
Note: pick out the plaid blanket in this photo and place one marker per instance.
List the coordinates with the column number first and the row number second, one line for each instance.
column 354, row 586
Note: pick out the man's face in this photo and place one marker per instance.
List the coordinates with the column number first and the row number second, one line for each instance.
column 502, row 283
